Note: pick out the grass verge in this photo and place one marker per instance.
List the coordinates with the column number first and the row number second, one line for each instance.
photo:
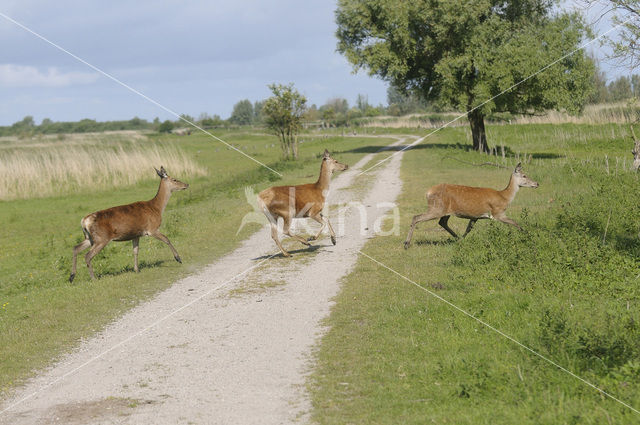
column 42, row 315
column 566, row 287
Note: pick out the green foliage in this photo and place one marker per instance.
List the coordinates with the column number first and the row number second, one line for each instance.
column 42, row 315
column 242, row 113
column 257, row 111
column 566, row 286
column 463, row 56
column 165, row 127
column 403, row 103
column 210, row 121
column 621, row 88
column 362, row 103
column 28, row 126
column 600, row 93
column 283, row 115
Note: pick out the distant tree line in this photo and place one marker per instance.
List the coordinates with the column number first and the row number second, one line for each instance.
column 27, row 126
column 336, row 112
column 622, row 88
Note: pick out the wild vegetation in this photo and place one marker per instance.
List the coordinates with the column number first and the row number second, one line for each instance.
column 469, row 58
column 283, row 114
column 43, row 315
column 566, row 286
column 49, row 166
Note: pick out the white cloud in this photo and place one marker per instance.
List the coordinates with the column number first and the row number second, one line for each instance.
column 12, row 75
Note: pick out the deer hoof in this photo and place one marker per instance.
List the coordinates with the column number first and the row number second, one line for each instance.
column 333, row 240
column 73, row 275
column 406, row 245
column 178, row 259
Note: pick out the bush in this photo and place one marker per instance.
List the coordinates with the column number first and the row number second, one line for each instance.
column 165, row 127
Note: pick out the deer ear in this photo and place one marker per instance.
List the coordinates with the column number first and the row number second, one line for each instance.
column 326, row 153
column 518, row 167
column 161, row 172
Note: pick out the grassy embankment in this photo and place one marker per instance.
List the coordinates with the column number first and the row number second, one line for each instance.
column 41, row 313
column 567, row 286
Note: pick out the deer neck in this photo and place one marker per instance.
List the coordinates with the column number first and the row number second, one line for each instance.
column 161, row 199
column 325, row 177
column 509, row 192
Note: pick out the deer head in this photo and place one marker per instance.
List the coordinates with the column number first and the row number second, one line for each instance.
column 332, row 163
column 521, row 178
column 174, row 184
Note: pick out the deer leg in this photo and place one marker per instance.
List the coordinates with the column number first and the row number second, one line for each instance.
column 287, row 231
column 320, row 220
column 333, row 234
column 470, row 226
column 274, row 235
column 417, row 219
column 443, row 222
column 135, row 243
column 159, row 236
column 325, row 222
column 95, row 249
column 76, row 250
column 505, row 219
column 273, row 221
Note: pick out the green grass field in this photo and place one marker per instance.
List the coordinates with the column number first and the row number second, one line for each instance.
column 567, row 286
column 42, row 315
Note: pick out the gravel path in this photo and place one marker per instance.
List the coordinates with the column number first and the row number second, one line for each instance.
column 238, row 350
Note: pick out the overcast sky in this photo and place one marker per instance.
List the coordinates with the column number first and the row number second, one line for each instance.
column 191, row 56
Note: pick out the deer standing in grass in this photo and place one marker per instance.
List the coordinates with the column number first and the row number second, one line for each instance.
column 127, row 223
column 472, row 203
column 306, row 200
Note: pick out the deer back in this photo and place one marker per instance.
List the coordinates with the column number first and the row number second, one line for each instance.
column 124, row 222
column 464, row 201
column 282, row 200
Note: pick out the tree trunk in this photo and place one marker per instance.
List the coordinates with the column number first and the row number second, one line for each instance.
column 295, row 145
column 476, row 120
column 283, row 144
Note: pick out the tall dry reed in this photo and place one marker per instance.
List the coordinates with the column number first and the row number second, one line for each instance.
column 42, row 171
column 619, row 113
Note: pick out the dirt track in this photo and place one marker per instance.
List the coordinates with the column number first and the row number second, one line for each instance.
column 238, row 354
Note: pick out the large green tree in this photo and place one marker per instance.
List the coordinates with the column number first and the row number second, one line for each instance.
column 461, row 54
column 283, row 114
column 242, row 113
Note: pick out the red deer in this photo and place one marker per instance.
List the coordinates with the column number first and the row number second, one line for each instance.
column 306, row 200
column 127, row 223
column 472, row 203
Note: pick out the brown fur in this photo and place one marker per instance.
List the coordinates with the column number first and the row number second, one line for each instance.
column 127, row 223
column 305, row 200
column 472, row 203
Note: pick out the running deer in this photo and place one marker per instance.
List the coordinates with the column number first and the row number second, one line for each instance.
column 472, row 203
column 127, row 223
column 636, row 150
column 306, row 200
